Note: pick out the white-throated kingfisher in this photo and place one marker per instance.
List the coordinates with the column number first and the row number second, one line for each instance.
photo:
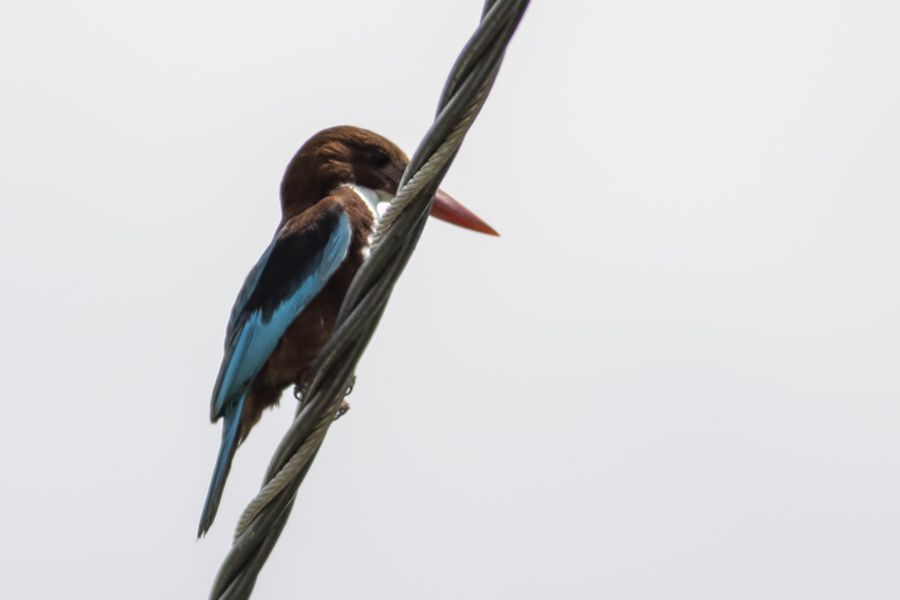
column 286, row 310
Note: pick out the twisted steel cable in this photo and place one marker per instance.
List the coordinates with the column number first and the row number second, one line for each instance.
column 394, row 240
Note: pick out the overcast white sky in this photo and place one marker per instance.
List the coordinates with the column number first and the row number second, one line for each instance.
column 676, row 375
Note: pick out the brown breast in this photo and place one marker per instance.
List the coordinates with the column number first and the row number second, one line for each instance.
column 307, row 335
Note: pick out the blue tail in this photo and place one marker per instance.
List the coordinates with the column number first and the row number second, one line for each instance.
column 223, row 465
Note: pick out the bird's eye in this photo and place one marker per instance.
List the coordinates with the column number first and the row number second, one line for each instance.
column 379, row 159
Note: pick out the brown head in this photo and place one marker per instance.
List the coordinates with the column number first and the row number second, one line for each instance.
column 335, row 157
column 351, row 155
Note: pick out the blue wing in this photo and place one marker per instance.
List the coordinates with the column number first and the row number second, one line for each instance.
column 293, row 269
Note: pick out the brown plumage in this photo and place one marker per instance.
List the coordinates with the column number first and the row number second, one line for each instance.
column 317, row 175
column 286, row 311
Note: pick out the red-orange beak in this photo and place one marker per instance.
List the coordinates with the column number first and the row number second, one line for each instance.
column 447, row 209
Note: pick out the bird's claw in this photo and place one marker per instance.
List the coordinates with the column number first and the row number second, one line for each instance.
column 345, row 406
column 342, row 410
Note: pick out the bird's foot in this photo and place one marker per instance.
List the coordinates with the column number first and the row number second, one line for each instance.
column 345, row 406
column 299, row 394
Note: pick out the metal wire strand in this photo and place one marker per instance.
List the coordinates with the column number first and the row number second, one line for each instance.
column 465, row 92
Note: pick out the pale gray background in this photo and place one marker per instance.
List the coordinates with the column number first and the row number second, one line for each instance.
column 674, row 376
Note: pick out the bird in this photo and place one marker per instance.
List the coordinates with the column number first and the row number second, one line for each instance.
column 286, row 310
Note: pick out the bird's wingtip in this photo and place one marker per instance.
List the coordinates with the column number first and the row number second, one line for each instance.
column 230, row 430
column 205, row 524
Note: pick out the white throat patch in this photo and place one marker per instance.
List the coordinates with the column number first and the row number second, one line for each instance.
column 376, row 201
